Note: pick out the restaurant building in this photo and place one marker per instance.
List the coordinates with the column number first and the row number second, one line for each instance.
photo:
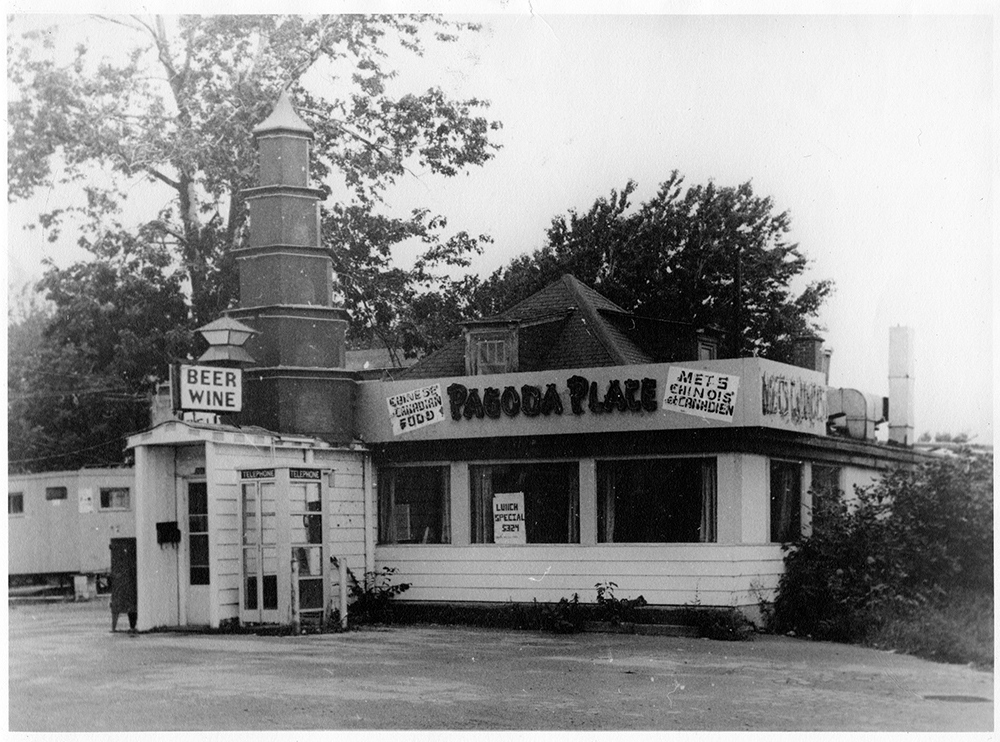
column 561, row 444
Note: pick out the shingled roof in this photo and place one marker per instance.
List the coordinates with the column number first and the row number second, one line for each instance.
column 570, row 325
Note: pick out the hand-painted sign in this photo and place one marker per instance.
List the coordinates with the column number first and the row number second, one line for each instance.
column 508, row 518
column 417, row 408
column 792, row 398
column 702, row 393
column 207, row 388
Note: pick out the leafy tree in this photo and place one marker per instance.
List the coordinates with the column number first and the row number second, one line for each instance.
column 174, row 109
column 177, row 107
column 81, row 369
column 678, row 257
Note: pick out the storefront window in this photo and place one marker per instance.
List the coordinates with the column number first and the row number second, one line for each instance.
column 656, row 501
column 414, row 505
column 825, row 489
column 786, row 501
column 551, row 500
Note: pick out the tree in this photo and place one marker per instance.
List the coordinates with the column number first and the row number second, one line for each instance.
column 82, row 368
column 678, row 257
column 174, row 108
column 177, row 107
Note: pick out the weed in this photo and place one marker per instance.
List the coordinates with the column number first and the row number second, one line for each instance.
column 615, row 610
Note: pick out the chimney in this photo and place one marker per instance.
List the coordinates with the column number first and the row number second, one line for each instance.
column 901, row 385
column 299, row 384
column 807, row 352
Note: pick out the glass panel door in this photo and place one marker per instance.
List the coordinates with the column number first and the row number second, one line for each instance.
column 260, row 552
column 306, row 529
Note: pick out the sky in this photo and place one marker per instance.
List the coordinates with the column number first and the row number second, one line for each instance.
column 875, row 132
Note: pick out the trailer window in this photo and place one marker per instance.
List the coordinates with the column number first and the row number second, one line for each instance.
column 114, row 498
column 15, row 503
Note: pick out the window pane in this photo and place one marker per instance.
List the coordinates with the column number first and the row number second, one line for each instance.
column 551, row 500
column 270, row 597
column 199, row 549
column 310, row 559
column 307, row 529
column 198, row 498
column 114, row 498
column 310, row 594
column 198, row 524
column 414, row 505
column 55, row 493
column 199, row 575
column 786, row 498
column 15, row 503
column 656, row 501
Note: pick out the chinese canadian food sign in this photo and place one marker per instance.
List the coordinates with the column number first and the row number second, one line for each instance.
column 416, row 409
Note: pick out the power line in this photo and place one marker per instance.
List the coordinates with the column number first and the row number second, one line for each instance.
column 68, row 453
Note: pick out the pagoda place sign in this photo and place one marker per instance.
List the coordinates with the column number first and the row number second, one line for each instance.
column 207, row 388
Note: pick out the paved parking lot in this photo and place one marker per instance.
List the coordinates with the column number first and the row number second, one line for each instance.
column 67, row 672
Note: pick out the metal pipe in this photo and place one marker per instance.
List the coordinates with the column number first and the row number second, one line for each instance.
column 342, row 568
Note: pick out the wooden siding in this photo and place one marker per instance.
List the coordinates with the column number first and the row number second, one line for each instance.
column 708, row 574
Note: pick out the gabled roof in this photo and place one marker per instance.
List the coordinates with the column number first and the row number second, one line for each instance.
column 565, row 325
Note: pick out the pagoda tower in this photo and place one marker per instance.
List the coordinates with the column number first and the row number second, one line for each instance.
column 298, row 383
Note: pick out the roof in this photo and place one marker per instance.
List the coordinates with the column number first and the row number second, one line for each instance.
column 569, row 325
column 283, row 118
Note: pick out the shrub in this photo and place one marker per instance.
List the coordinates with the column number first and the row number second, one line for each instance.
column 896, row 549
column 722, row 624
column 372, row 595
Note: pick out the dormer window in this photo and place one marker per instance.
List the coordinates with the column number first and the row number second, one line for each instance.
column 490, row 348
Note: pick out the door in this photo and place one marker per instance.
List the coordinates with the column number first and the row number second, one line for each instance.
column 198, row 597
column 306, row 531
column 260, row 553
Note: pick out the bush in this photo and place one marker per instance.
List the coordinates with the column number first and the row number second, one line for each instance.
column 721, row 624
column 373, row 594
column 897, row 549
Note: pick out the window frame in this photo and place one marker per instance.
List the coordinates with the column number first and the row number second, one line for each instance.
column 496, row 337
column 479, row 517
column 389, row 508
column 794, row 527
column 52, row 494
column 11, row 500
column 204, row 569
column 708, row 494
column 114, row 508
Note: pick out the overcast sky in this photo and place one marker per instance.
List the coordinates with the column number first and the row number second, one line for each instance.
column 874, row 132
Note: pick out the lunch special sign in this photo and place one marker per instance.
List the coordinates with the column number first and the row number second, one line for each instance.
column 697, row 392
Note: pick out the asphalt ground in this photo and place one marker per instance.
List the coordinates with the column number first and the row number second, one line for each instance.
column 69, row 673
